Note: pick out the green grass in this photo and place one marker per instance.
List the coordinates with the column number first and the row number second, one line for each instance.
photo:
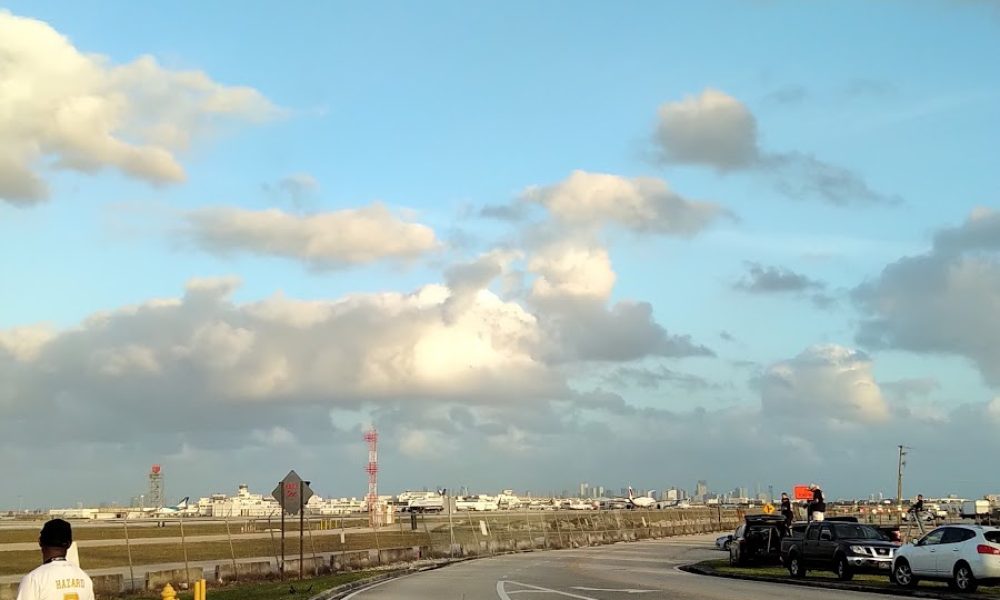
column 875, row 582
column 272, row 590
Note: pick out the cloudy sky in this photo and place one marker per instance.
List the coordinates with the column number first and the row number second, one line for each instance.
column 535, row 244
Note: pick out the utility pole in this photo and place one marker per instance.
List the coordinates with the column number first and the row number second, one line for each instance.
column 899, row 484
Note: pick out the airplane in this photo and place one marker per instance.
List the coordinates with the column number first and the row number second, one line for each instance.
column 172, row 510
column 640, row 502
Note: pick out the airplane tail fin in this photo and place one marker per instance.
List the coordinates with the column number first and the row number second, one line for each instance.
column 631, row 494
column 183, row 503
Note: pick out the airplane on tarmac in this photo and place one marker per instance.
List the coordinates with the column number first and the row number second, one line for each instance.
column 172, row 510
column 166, row 511
column 640, row 502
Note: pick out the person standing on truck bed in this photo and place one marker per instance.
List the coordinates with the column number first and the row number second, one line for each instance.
column 916, row 512
column 817, row 507
column 786, row 510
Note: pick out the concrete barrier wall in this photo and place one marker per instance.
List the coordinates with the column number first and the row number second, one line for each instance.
column 310, row 566
column 108, row 585
column 155, row 580
column 247, row 570
column 352, row 561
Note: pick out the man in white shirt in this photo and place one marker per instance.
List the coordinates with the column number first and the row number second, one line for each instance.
column 57, row 578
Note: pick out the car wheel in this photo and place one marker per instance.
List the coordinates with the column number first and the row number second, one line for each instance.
column 796, row 568
column 844, row 570
column 962, row 579
column 903, row 574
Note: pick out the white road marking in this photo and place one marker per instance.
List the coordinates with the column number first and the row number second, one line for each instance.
column 625, row 591
column 532, row 589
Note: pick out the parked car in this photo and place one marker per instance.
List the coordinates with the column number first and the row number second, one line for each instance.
column 723, row 542
column 843, row 547
column 966, row 556
column 758, row 539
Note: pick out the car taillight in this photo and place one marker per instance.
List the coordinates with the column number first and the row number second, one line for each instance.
column 984, row 549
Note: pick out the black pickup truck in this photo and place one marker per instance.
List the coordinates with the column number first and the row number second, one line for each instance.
column 842, row 547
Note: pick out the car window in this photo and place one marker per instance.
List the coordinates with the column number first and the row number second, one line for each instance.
column 992, row 536
column 812, row 533
column 954, row 535
column 933, row 537
column 851, row 531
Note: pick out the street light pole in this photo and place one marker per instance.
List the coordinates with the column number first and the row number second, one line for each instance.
column 899, row 484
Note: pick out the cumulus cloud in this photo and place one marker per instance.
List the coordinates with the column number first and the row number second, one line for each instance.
column 944, row 301
column 718, row 131
column 65, row 109
column 151, row 364
column 761, row 279
column 571, row 290
column 824, row 382
column 711, row 129
column 327, row 240
column 640, row 204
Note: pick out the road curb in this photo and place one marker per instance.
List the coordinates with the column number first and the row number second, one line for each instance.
column 703, row 569
column 342, row 590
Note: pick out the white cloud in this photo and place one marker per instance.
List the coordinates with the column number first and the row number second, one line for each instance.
column 567, row 269
column 718, row 131
column 324, row 240
column 24, row 343
column 70, row 110
column 641, row 204
column 712, row 129
column 572, row 287
column 824, row 382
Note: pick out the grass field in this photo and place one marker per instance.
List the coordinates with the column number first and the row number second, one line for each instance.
column 875, row 582
column 141, row 529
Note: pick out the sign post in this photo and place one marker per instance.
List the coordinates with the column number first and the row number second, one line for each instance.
column 292, row 495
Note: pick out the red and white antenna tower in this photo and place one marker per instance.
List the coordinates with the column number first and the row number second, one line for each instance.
column 374, row 518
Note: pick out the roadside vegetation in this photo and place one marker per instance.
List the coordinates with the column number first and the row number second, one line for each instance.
column 874, row 582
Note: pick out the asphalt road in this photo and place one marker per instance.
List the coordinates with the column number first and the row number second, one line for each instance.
column 640, row 570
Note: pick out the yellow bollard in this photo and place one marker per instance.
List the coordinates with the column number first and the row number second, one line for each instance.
column 168, row 593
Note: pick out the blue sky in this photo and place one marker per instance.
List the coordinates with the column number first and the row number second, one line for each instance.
column 437, row 110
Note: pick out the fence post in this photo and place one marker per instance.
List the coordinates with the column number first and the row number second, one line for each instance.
column 128, row 550
column 232, row 550
column 187, row 570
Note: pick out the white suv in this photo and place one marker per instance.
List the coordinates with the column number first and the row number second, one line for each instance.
column 963, row 555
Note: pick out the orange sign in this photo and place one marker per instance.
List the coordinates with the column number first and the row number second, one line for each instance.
column 802, row 492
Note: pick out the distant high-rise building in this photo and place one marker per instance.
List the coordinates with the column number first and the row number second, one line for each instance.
column 701, row 490
column 584, row 490
column 600, row 492
column 741, row 492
